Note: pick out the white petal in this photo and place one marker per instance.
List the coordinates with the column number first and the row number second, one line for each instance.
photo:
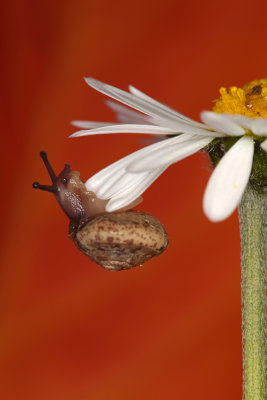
column 128, row 196
column 106, row 183
column 126, row 128
column 126, row 115
column 228, row 181
column 169, row 110
column 128, row 99
column 264, row 145
column 222, row 123
column 90, row 124
column 103, row 177
column 255, row 125
column 125, row 182
column 160, row 116
column 147, row 107
column 259, row 126
column 122, row 180
column 169, row 154
column 184, row 127
column 241, row 120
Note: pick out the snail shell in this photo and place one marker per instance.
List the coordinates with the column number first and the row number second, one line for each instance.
column 119, row 241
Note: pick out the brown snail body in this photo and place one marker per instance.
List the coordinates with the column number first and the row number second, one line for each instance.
column 116, row 241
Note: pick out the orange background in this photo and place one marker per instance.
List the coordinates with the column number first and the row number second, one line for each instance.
column 71, row 330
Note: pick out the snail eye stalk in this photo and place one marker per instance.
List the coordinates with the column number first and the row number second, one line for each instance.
column 48, row 166
column 47, row 188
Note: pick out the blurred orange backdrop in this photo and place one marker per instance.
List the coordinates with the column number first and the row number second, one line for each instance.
column 71, row 330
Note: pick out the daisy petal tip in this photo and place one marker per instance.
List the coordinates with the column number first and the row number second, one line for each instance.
column 205, row 113
column 74, row 123
column 217, row 210
column 111, row 207
column 215, row 214
column 76, row 134
column 91, row 81
column 264, row 145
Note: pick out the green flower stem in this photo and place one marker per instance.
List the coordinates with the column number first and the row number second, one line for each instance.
column 253, row 222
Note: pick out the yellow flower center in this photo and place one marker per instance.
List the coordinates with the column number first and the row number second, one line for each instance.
column 250, row 100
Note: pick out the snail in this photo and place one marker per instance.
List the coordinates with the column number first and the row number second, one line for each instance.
column 116, row 241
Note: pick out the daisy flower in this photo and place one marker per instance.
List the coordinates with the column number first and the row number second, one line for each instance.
column 230, row 134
